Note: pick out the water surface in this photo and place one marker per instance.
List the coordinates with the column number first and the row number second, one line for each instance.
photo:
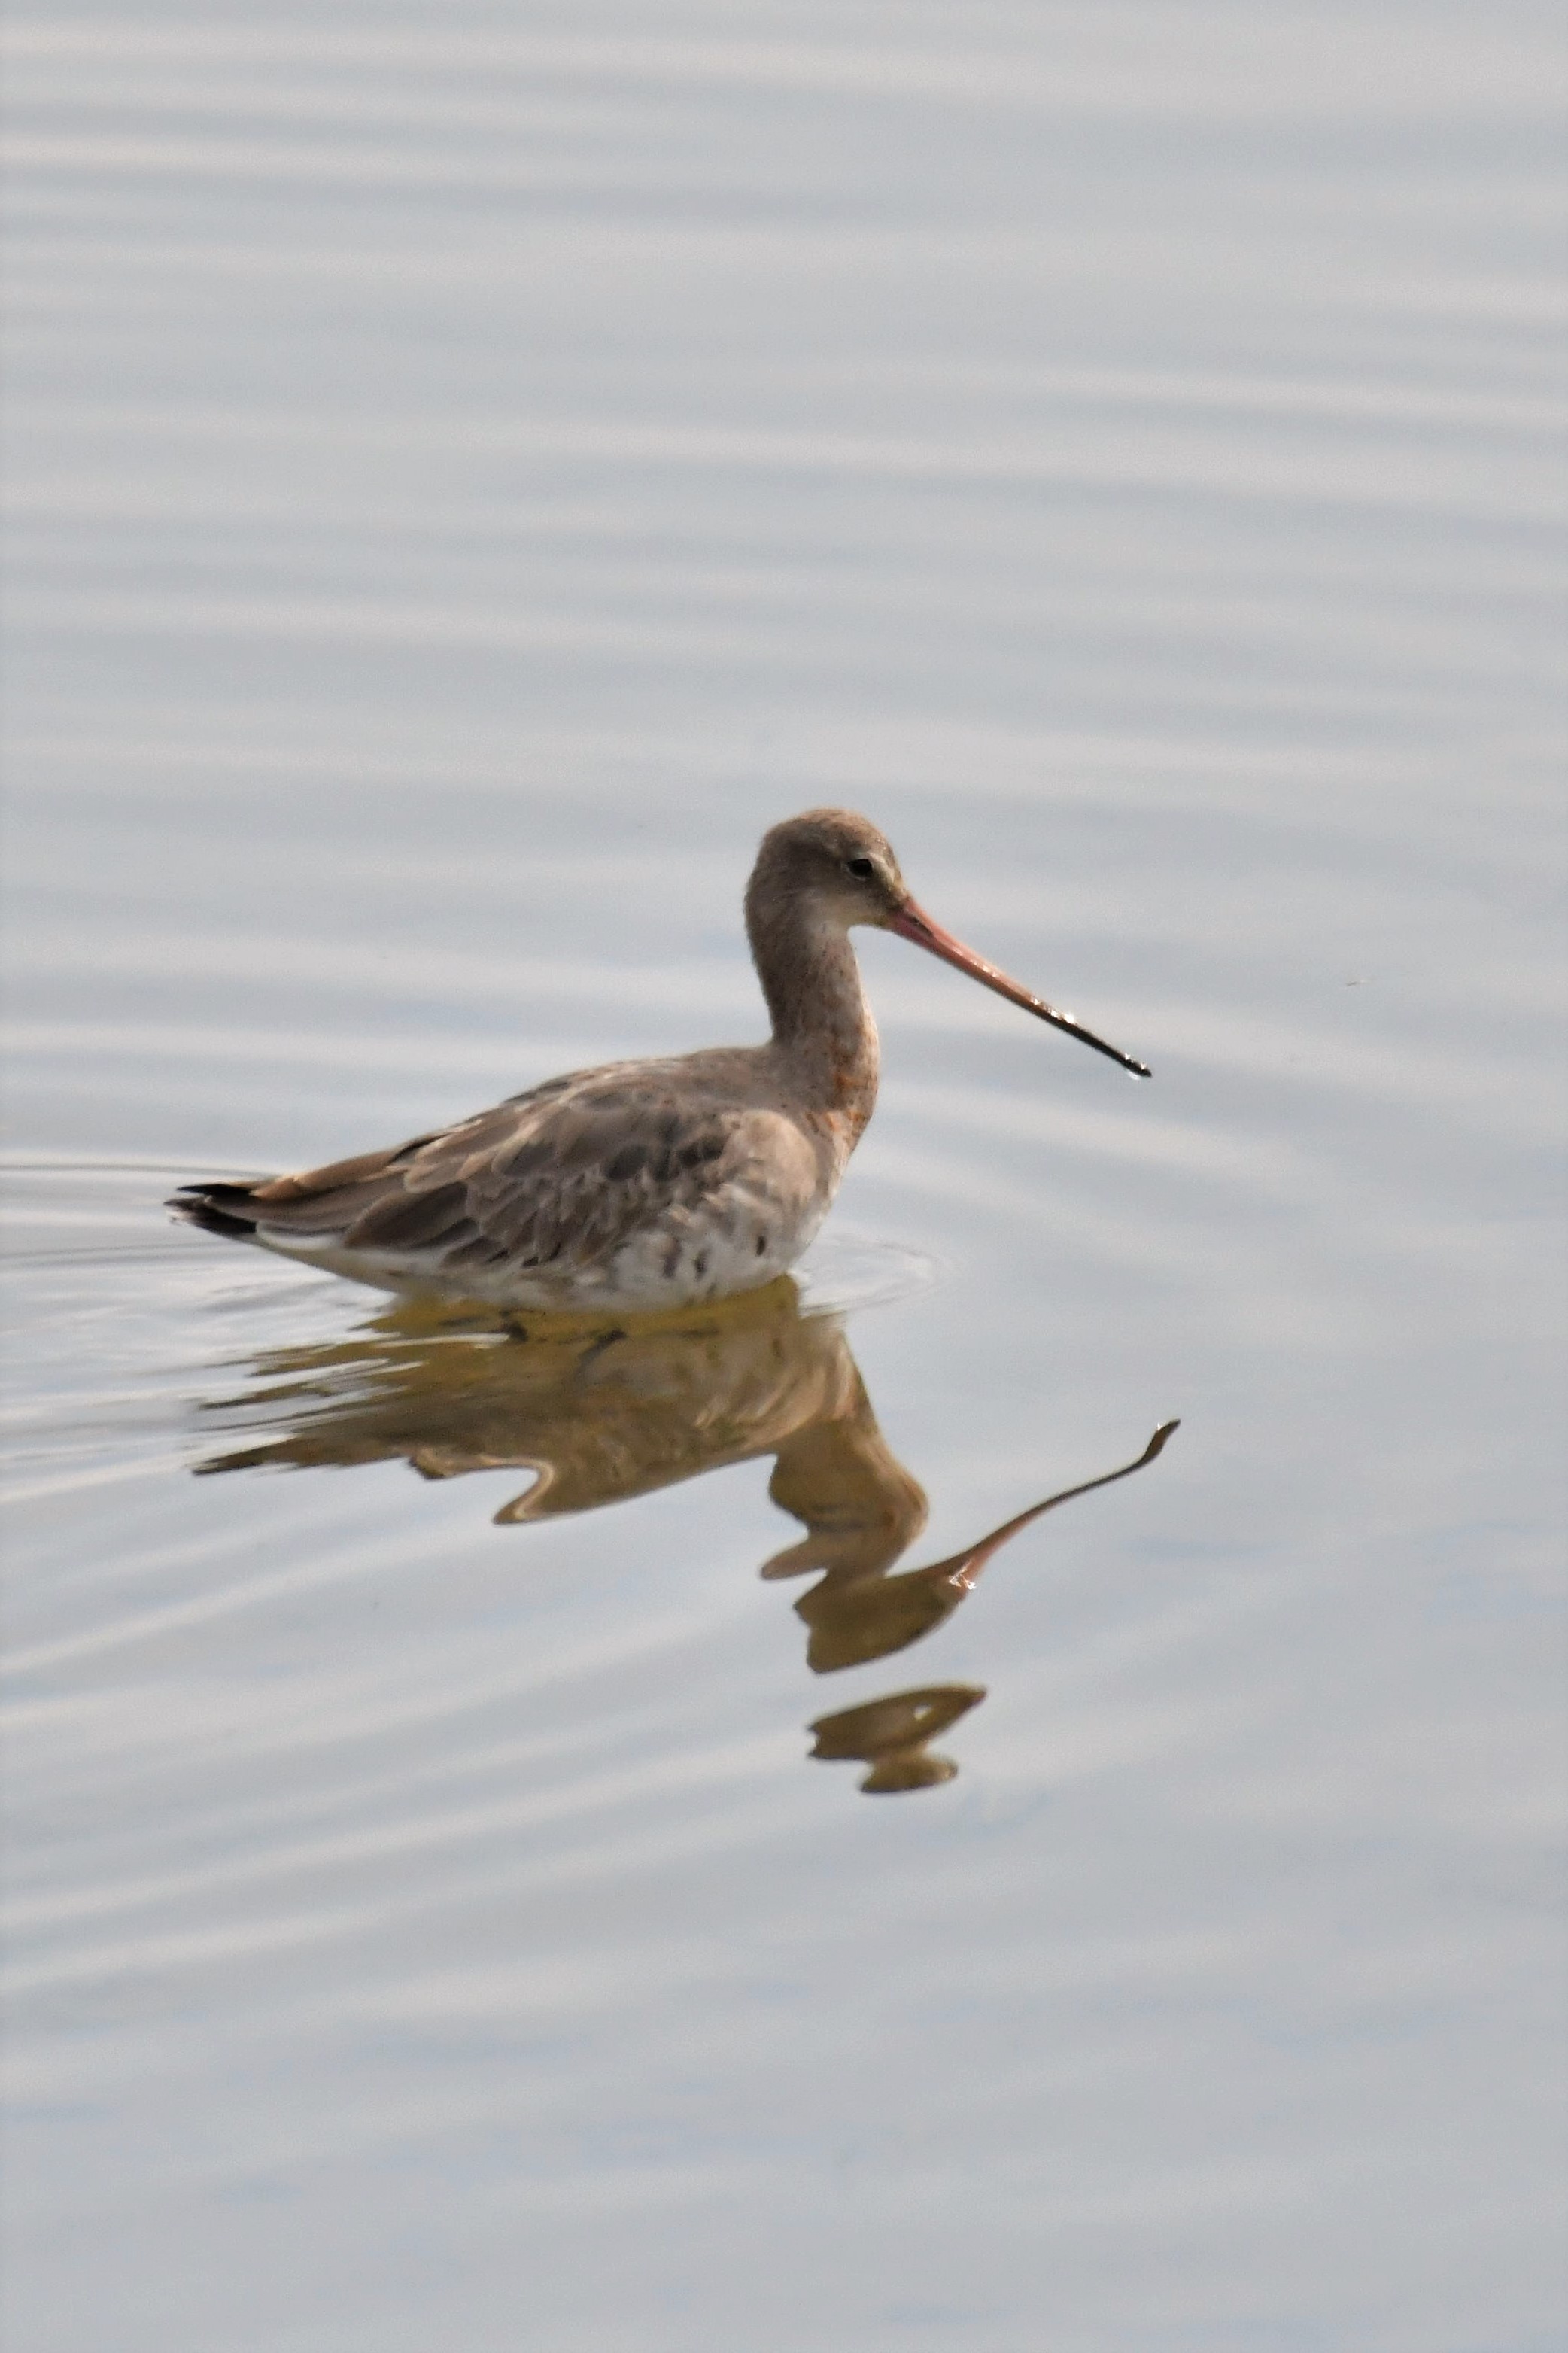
column 470, row 474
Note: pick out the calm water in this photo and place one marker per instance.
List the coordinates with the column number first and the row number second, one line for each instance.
column 471, row 470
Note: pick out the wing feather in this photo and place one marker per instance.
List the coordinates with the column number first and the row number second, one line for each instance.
column 557, row 1180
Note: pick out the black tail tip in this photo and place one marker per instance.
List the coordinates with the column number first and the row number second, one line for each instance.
column 216, row 1209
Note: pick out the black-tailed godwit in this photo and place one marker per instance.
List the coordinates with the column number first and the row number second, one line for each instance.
column 646, row 1184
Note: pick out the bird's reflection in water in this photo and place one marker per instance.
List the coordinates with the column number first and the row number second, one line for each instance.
column 890, row 1735
column 602, row 1415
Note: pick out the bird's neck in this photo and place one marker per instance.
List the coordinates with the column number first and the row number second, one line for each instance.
column 823, row 1031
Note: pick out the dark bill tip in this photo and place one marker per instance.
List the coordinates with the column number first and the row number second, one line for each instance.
column 913, row 923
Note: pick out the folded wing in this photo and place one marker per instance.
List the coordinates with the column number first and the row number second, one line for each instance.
column 556, row 1181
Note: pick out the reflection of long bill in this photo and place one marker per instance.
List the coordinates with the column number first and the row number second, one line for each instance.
column 602, row 1416
column 913, row 923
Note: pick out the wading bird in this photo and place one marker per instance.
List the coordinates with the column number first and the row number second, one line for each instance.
column 648, row 1185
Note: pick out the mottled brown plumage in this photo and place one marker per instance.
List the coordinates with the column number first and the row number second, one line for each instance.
column 645, row 1184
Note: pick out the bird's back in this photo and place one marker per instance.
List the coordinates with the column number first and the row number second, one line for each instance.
column 635, row 1185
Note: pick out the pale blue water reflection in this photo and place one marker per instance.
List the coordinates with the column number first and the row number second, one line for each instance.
column 468, row 477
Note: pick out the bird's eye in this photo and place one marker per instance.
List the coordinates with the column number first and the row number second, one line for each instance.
column 862, row 869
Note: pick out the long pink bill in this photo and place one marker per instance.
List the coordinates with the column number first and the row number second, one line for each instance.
column 913, row 923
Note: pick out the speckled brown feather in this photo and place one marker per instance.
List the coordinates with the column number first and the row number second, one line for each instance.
column 542, row 1195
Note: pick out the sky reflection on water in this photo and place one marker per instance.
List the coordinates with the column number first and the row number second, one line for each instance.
column 468, row 478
